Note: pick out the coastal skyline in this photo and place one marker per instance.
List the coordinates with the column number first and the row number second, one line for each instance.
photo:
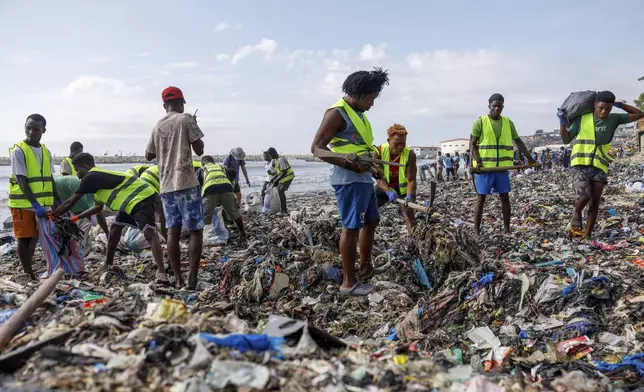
column 262, row 73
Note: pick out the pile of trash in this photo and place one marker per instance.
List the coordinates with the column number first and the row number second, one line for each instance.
column 533, row 310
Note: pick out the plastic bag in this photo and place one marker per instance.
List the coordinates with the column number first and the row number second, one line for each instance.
column 577, row 104
column 134, row 240
column 72, row 261
column 635, row 185
column 272, row 203
column 253, row 202
column 216, row 233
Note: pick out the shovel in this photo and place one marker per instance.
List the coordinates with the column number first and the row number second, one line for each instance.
column 500, row 169
column 322, row 153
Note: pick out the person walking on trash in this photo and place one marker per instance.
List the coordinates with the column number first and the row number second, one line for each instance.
column 283, row 176
column 217, row 190
column 133, row 199
column 346, row 129
column 397, row 181
column 491, row 146
column 591, row 135
column 235, row 161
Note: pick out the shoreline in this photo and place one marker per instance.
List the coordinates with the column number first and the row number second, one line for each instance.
column 136, row 159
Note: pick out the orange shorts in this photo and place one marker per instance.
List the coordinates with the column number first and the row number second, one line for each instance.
column 24, row 223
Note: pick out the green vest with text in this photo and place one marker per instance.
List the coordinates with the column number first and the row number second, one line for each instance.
column 38, row 177
column 130, row 192
column 151, row 176
column 402, row 175
column 69, row 161
column 289, row 172
column 493, row 152
column 213, row 174
column 359, row 142
column 136, row 169
column 585, row 151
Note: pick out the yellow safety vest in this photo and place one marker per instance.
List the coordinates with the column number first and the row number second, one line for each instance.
column 71, row 164
column 402, row 177
column 136, row 169
column 493, row 152
column 197, row 164
column 359, row 142
column 151, row 176
column 289, row 172
column 130, row 192
column 585, row 151
column 214, row 174
column 38, row 178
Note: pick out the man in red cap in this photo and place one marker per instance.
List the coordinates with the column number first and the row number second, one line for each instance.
column 173, row 139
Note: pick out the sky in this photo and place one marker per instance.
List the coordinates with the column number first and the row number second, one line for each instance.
column 262, row 73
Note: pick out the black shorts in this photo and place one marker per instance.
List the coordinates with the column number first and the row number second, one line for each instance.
column 236, row 188
column 142, row 215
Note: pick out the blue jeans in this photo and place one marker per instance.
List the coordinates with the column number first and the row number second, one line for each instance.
column 357, row 204
column 183, row 208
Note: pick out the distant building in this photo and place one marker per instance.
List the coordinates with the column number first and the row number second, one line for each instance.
column 425, row 152
column 453, row 146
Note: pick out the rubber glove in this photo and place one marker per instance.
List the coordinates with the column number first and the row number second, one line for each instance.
column 618, row 104
column 410, row 197
column 248, row 182
column 392, row 196
column 39, row 210
column 562, row 120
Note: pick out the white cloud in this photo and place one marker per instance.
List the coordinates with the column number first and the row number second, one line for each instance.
column 222, row 27
column 101, row 59
column 373, row 53
column 266, row 47
column 222, row 57
column 183, row 65
column 98, row 86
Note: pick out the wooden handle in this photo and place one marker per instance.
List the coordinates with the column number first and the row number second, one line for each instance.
column 414, row 206
column 322, row 153
column 29, row 307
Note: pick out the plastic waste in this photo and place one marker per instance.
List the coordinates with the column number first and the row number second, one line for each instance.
column 216, row 233
column 6, row 314
column 253, row 202
column 245, row 342
column 241, row 374
column 577, row 104
column 134, row 240
column 272, row 203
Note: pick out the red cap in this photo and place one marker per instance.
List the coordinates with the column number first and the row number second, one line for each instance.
column 171, row 93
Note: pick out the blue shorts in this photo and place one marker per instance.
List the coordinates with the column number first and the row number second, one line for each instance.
column 357, row 204
column 183, row 208
column 497, row 181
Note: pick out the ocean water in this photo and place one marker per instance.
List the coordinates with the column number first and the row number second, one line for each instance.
column 308, row 176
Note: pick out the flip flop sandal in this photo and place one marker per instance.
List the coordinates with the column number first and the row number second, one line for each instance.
column 374, row 272
column 162, row 279
column 358, row 290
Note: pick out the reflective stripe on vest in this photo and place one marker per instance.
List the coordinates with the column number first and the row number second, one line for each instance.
column 126, row 195
column 585, row 151
column 289, row 172
column 493, row 152
column 38, row 177
column 214, row 174
column 71, row 165
column 151, row 176
column 136, row 169
column 402, row 175
column 197, row 165
column 360, row 141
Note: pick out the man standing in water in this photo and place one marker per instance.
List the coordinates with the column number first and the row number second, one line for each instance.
column 491, row 146
column 591, row 135
column 346, row 129
column 171, row 142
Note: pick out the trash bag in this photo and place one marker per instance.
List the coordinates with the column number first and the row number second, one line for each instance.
column 577, row 104
column 272, row 203
column 635, row 185
column 133, row 239
column 52, row 242
column 216, row 232
column 253, row 202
